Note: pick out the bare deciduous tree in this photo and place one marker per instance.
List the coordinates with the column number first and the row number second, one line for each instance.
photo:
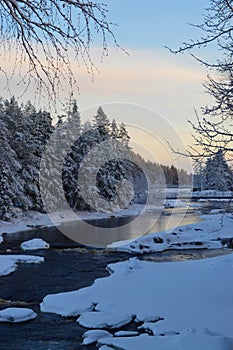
column 213, row 131
column 44, row 36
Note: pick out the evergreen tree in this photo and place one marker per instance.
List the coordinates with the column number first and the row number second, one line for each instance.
column 102, row 124
column 32, row 135
column 114, row 130
column 112, row 170
column 124, row 136
column 217, row 174
column 11, row 190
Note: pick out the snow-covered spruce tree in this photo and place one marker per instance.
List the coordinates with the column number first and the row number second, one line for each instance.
column 217, row 174
column 123, row 135
column 72, row 125
column 117, row 170
column 30, row 145
column 11, row 189
column 101, row 123
column 106, row 164
column 26, row 132
column 114, row 130
column 50, row 171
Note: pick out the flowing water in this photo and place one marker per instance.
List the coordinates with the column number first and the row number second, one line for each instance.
column 70, row 266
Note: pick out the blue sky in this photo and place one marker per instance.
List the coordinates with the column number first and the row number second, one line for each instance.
column 151, row 24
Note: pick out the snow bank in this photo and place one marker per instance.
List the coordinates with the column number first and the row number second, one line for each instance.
column 8, row 263
column 206, row 234
column 34, row 244
column 179, row 300
column 17, row 315
column 190, row 339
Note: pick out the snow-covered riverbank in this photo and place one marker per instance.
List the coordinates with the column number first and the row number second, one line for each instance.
column 214, row 232
column 33, row 220
column 182, row 305
column 169, row 305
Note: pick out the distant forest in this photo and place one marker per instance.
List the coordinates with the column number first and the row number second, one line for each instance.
column 24, row 133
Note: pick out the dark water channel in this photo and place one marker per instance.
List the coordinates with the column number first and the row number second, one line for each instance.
column 68, row 266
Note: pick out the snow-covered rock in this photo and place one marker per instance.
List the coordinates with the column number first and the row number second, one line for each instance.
column 8, row 263
column 34, row 244
column 92, row 336
column 17, row 315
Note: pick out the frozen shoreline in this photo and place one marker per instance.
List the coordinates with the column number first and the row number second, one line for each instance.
column 196, row 313
column 33, row 220
column 214, row 232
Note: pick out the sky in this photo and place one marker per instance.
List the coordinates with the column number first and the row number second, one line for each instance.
column 161, row 89
column 149, row 88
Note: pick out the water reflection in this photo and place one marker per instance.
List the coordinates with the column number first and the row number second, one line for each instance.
column 91, row 230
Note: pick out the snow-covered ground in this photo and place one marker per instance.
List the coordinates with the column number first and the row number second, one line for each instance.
column 182, row 305
column 8, row 263
column 207, row 234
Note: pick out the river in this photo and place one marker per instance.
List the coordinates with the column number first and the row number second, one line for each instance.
column 68, row 266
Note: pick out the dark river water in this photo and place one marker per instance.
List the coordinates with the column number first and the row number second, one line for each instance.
column 68, row 266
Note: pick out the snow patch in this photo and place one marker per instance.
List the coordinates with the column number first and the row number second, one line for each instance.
column 34, row 244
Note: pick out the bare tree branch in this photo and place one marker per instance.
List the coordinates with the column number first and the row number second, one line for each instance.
column 44, row 36
column 213, row 130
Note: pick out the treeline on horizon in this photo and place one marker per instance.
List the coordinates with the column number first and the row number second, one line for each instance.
column 24, row 133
